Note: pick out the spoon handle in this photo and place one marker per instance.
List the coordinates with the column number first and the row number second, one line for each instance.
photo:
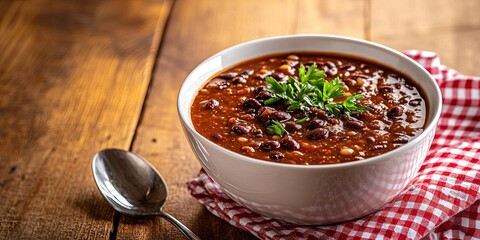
column 182, row 228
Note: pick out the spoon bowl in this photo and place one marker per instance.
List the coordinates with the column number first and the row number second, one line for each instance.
column 132, row 185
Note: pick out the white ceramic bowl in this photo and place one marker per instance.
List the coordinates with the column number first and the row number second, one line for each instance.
column 315, row 194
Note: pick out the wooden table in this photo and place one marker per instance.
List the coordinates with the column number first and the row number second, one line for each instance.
column 79, row 76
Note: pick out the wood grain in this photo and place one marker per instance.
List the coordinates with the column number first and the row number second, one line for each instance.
column 196, row 30
column 449, row 28
column 73, row 78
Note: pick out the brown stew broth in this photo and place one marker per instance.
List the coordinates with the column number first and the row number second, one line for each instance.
column 229, row 111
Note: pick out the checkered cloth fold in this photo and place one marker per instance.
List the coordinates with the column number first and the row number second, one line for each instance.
column 442, row 201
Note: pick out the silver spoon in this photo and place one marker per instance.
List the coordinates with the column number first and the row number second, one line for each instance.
column 132, row 186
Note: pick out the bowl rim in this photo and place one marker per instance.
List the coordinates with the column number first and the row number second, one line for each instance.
column 431, row 124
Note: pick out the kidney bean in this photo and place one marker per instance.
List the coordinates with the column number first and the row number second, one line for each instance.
column 289, row 143
column 316, row 123
column 376, row 109
column 414, row 102
column 332, row 71
column 258, row 133
column 291, row 63
column 361, row 76
column 318, row 134
column 246, row 73
column 354, row 124
column 264, row 95
column 355, row 115
column 350, row 82
column 385, row 89
column 309, row 63
column 348, row 67
column 217, row 136
column 241, row 129
column 403, row 101
column 292, row 126
column 276, row 155
column 265, row 108
column 279, row 76
column 260, row 76
column 280, row 116
column 371, row 139
column 341, row 138
column 210, row 104
column 269, row 145
column 247, row 117
column 228, row 75
column 396, row 111
column 237, row 80
column 252, row 103
column 330, row 64
column 379, row 147
column 217, row 83
column 390, row 96
column 264, row 113
column 401, row 139
column 333, row 121
column 319, row 112
column 260, row 89
column 255, row 143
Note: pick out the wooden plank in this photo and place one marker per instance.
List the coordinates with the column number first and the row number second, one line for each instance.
column 197, row 29
column 5, row 7
column 449, row 28
column 73, row 78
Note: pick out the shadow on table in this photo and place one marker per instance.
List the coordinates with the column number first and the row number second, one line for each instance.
column 94, row 206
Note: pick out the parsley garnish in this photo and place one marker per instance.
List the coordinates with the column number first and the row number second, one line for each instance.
column 302, row 120
column 312, row 90
column 277, row 128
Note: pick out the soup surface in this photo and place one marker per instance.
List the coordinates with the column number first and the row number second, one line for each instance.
column 309, row 108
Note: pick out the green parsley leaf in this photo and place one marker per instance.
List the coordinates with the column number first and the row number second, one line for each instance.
column 335, row 108
column 302, row 120
column 350, row 105
column 277, row 128
column 274, row 86
column 332, row 89
column 271, row 100
column 313, row 90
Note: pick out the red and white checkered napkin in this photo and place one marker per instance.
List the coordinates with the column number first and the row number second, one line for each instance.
column 442, row 202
